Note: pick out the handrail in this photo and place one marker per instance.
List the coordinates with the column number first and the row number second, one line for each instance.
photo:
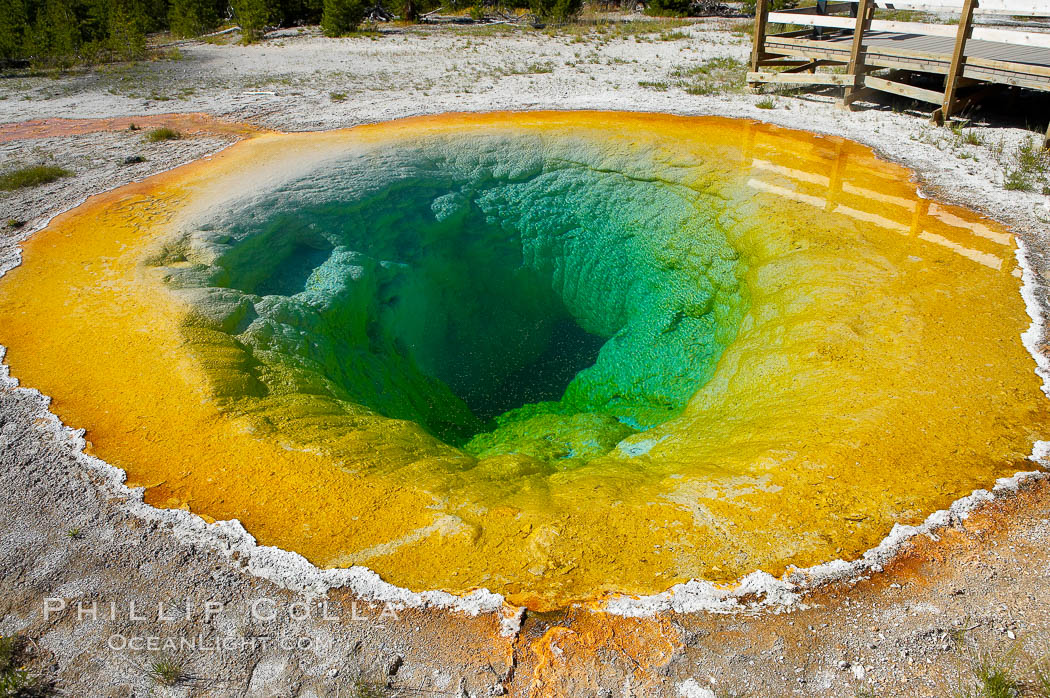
column 1013, row 7
column 814, row 10
column 1003, row 36
column 1029, row 8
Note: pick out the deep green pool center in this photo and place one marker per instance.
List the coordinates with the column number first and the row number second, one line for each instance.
column 505, row 297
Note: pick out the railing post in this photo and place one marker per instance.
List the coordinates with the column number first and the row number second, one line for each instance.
column 856, row 68
column 822, row 9
column 951, row 82
column 758, row 49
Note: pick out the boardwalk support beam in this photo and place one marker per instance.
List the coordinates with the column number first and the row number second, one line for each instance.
column 951, row 82
column 856, row 67
column 758, row 49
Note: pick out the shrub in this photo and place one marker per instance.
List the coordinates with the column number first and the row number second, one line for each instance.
column 342, row 17
column 31, row 177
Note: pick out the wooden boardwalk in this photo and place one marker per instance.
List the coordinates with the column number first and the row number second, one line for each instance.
column 880, row 55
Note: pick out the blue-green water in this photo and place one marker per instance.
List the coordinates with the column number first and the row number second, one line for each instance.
column 503, row 295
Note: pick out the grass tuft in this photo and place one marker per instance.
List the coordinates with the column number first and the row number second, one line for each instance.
column 997, row 683
column 964, row 136
column 715, row 76
column 1017, row 180
column 337, row 96
column 973, row 138
column 743, row 28
column 15, row 681
column 676, row 35
column 1009, row 673
column 167, row 671
column 1026, row 168
column 32, row 176
column 163, row 134
column 767, row 103
column 369, row 689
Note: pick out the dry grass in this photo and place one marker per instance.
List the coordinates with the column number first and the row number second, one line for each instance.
column 163, row 134
column 167, row 671
column 32, row 176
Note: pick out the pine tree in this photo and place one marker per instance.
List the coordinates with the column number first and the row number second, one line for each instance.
column 155, row 15
column 193, row 17
column 342, row 16
column 14, row 24
column 252, row 16
column 55, row 33
column 292, row 12
column 126, row 35
column 559, row 10
column 670, row 8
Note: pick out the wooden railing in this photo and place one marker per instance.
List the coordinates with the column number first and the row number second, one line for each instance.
column 1025, row 8
column 1003, row 36
column 856, row 81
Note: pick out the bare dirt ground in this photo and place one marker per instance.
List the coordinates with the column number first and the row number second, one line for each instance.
column 70, row 533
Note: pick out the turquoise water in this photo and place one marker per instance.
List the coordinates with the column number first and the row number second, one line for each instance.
column 503, row 295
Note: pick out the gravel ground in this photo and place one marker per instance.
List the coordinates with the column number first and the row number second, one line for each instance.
column 70, row 532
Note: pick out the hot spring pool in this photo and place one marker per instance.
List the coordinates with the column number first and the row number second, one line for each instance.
column 551, row 354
